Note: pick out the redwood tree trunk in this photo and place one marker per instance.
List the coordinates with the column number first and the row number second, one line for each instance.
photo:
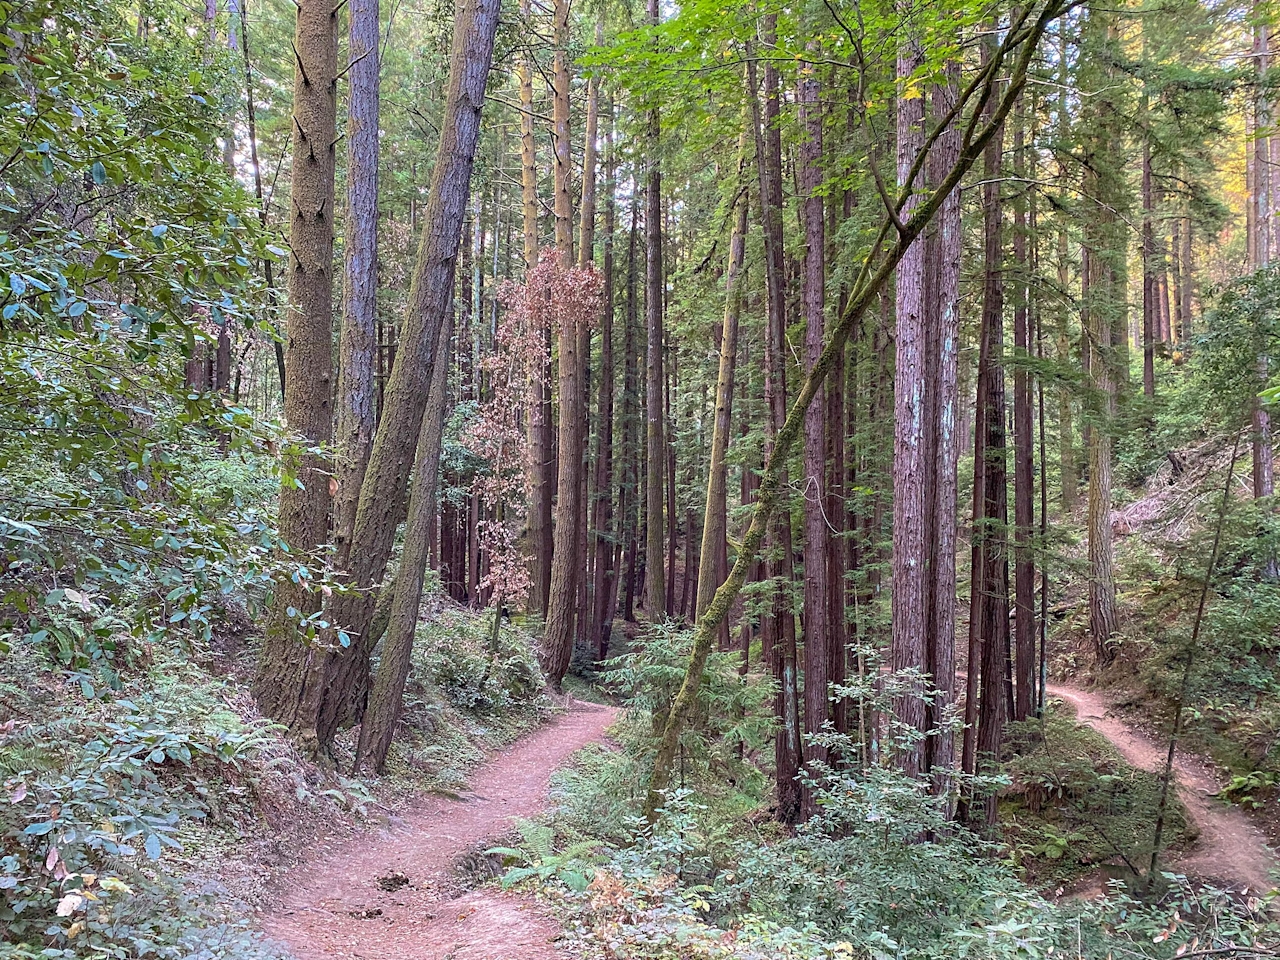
column 655, row 444
column 817, row 609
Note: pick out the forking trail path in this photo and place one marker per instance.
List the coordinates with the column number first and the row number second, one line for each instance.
column 1230, row 849
column 392, row 894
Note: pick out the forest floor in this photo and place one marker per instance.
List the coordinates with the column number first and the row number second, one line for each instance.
column 1230, row 850
column 397, row 895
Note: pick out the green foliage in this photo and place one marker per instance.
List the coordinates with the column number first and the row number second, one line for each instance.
column 730, row 709
column 93, row 799
column 1073, row 804
column 537, row 858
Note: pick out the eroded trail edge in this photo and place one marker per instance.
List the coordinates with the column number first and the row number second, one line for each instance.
column 1230, row 849
column 334, row 905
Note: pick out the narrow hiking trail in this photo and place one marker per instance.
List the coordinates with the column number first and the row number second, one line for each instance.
column 1230, row 850
column 392, row 894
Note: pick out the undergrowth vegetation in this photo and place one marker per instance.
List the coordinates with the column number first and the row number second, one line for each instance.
column 717, row 876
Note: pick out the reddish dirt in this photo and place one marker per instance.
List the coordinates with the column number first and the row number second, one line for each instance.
column 333, row 906
column 1229, row 850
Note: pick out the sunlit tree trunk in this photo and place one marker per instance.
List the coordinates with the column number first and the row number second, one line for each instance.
column 909, row 457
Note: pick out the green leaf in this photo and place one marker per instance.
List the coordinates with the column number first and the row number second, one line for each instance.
column 98, row 172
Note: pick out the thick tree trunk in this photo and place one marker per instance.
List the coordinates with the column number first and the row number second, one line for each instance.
column 989, row 617
column 1023, row 451
column 817, row 607
column 944, row 319
column 910, row 458
column 356, row 422
column 290, row 672
column 1105, row 317
column 430, row 294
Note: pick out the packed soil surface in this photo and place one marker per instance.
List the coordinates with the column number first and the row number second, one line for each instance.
column 1230, row 850
column 396, row 894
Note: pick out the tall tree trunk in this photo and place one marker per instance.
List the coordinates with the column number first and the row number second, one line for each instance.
column 542, row 458
column 909, row 455
column 1106, row 246
column 779, row 625
column 713, row 564
column 1023, row 448
column 1150, row 309
column 1262, row 202
column 629, row 420
column 944, row 321
column 386, row 697
column 382, row 495
column 655, row 283
column 989, row 605
column 602, row 521
column 817, row 607
column 557, row 642
column 289, row 684
column 354, row 433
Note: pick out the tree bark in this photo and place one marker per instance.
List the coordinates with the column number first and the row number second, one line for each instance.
column 655, row 285
column 386, row 698
column 817, row 606
column 290, row 671
column 910, row 549
column 779, row 625
column 1023, row 449
column 430, row 294
column 356, row 422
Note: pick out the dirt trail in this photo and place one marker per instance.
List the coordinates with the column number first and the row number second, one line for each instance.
column 333, row 905
column 1230, row 849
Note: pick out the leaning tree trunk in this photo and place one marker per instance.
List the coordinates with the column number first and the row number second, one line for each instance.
column 289, row 685
column 386, row 698
column 354, row 433
column 430, row 295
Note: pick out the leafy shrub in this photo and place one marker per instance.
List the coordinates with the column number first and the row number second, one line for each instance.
column 457, row 654
column 83, row 835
